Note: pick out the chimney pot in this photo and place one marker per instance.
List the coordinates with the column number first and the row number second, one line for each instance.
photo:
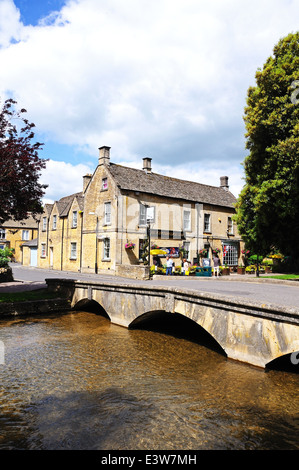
column 224, row 182
column 104, row 156
column 147, row 165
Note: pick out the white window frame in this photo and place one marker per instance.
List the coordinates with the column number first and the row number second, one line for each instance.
column 187, row 220
column 43, row 250
column 44, row 228
column 106, row 249
column 230, row 225
column 54, row 225
column 207, row 222
column 2, row 233
column 73, row 250
column 107, row 213
column 75, row 219
column 230, row 254
column 25, row 234
column 142, row 214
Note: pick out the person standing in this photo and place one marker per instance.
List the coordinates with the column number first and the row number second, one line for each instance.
column 169, row 265
column 216, row 261
column 185, row 266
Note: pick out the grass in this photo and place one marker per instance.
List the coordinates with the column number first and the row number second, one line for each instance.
column 283, row 276
column 40, row 294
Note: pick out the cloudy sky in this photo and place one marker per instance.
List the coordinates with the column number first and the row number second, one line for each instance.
column 165, row 79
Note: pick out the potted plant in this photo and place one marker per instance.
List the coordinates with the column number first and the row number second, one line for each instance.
column 241, row 270
column 225, row 271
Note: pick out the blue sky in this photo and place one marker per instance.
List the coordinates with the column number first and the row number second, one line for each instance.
column 33, row 10
column 164, row 79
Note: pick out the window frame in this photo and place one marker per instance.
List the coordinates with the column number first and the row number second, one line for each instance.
column 54, row 222
column 107, row 214
column 73, row 252
column 207, row 226
column 187, row 227
column 75, row 219
column 106, row 249
column 43, row 253
column 104, row 184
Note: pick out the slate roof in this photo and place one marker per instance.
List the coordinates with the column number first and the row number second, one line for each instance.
column 138, row 180
column 64, row 204
column 25, row 223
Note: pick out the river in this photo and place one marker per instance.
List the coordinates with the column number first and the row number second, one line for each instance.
column 76, row 381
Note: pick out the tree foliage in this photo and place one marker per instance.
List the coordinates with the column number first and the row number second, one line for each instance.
column 267, row 210
column 20, row 165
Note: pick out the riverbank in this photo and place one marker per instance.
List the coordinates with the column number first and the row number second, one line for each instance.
column 29, row 298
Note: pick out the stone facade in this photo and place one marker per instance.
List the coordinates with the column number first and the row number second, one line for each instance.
column 88, row 231
column 13, row 234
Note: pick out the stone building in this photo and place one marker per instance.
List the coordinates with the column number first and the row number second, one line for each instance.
column 105, row 228
column 14, row 233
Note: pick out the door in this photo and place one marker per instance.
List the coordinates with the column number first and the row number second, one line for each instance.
column 33, row 256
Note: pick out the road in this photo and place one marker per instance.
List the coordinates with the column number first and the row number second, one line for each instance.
column 283, row 294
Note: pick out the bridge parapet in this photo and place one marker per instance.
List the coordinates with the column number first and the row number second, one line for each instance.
column 249, row 332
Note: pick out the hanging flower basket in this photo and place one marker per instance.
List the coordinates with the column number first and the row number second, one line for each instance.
column 129, row 246
column 203, row 253
column 216, row 251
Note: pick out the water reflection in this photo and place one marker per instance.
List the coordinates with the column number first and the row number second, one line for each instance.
column 76, row 381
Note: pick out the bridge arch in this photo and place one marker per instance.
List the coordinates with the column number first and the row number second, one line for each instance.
column 178, row 325
column 89, row 305
column 287, row 362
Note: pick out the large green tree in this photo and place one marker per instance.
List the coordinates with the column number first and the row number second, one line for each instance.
column 267, row 210
column 20, row 165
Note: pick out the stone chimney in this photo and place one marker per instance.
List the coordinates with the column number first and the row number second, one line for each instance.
column 224, row 182
column 147, row 165
column 104, row 156
column 86, row 179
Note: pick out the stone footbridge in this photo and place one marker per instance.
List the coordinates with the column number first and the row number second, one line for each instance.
column 249, row 332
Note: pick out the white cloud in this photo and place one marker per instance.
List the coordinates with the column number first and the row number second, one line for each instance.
column 63, row 179
column 165, row 79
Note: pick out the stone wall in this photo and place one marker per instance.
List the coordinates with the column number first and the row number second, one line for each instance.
column 34, row 307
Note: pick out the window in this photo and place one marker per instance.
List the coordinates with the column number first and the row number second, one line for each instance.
column 74, row 220
column 54, row 226
column 44, row 227
column 106, row 253
column 187, row 220
column 73, row 250
column 43, row 250
column 230, row 255
column 230, row 226
column 25, row 234
column 2, row 234
column 146, row 214
column 107, row 215
column 104, row 184
column 142, row 214
column 207, row 223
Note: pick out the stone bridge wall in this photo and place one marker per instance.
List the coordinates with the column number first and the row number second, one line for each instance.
column 251, row 333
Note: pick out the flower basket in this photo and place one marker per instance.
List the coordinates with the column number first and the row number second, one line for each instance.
column 129, row 246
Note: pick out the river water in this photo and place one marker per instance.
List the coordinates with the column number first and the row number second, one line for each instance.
column 76, row 381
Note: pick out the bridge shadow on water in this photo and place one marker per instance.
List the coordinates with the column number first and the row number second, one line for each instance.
column 177, row 325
